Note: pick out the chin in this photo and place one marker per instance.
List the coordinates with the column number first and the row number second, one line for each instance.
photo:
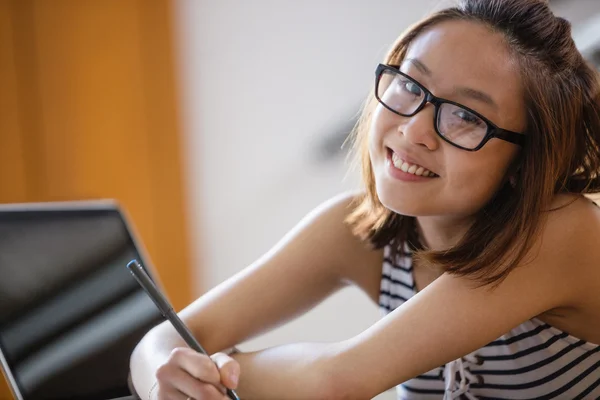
column 401, row 204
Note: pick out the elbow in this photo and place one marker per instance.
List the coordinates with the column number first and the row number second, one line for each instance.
column 340, row 388
column 337, row 380
column 331, row 391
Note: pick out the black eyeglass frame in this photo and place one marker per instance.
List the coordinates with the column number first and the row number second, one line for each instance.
column 493, row 131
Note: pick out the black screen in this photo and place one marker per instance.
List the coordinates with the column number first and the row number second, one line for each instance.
column 70, row 311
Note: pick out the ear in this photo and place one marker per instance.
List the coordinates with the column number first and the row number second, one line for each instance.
column 513, row 172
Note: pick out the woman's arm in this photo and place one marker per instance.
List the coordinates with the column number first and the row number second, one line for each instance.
column 445, row 321
column 448, row 319
column 315, row 259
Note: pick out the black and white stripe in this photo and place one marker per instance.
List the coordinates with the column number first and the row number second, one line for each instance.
column 532, row 361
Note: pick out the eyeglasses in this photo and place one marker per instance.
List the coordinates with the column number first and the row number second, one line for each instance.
column 456, row 124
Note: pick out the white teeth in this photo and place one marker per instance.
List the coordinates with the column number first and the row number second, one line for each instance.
column 396, row 161
column 410, row 168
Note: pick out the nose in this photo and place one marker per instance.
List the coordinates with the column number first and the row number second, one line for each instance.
column 419, row 129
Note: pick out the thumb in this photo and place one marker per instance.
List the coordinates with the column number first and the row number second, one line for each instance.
column 228, row 368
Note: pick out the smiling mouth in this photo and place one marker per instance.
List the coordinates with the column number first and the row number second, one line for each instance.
column 409, row 168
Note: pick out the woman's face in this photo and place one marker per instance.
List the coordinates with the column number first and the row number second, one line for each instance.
column 467, row 63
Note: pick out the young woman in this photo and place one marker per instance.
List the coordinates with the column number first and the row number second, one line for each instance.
column 472, row 233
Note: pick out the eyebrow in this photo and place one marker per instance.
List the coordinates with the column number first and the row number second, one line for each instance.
column 476, row 95
column 420, row 66
column 464, row 91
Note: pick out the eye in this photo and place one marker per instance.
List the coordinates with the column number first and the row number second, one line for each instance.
column 468, row 117
column 411, row 87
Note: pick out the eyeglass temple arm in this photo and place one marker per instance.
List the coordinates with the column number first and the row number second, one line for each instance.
column 509, row 136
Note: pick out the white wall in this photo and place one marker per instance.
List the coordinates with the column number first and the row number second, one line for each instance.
column 576, row 11
column 584, row 16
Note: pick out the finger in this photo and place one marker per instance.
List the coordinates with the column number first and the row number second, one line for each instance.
column 197, row 365
column 229, row 369
column 168, row 394
column 207, row 392
column 178, row 384
column 174, row 382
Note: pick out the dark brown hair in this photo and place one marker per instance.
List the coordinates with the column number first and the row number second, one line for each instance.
column 561, row 154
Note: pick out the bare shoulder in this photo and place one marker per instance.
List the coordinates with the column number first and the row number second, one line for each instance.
column 570, row 242
column 574, row 226
column 357, row 261
column 569, row 257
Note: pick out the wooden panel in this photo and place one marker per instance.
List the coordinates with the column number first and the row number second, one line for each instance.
column 12, row 174
column 13, row 182
column 110, row 125
column 88, row 109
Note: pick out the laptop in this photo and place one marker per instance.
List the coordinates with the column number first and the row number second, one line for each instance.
column 70, row 311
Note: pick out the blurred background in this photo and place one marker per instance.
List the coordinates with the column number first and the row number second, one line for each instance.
column 217, row 124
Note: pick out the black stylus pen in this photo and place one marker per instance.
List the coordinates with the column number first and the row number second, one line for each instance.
column 168, row 312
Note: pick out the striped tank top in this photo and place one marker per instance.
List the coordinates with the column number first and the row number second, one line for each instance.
column 532, row 361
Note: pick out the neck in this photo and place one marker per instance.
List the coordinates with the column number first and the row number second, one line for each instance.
column 441, row 233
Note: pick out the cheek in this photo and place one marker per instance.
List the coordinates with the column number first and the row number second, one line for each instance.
column 475, row 187
column 474, row 181
column 380, row 124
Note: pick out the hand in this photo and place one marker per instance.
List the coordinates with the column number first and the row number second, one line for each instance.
column 188, row 374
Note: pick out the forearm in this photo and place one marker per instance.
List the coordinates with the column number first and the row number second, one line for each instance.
column 300, row 371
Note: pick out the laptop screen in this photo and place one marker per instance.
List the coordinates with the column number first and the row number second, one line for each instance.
column 70, row 311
